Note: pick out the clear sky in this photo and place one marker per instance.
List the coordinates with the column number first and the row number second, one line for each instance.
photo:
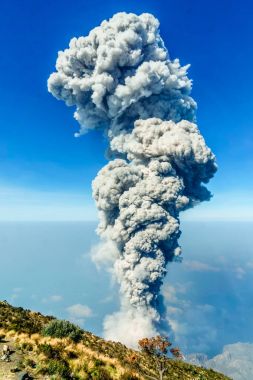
column 46, row 173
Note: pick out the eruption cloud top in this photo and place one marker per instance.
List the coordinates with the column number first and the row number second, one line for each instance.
column 121, row 72
column 120, row 79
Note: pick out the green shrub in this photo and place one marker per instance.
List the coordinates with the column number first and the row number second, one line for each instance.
column 49, row 351
column 100, row 374
column 98, row 363
column 61, row 368
column 63, row 329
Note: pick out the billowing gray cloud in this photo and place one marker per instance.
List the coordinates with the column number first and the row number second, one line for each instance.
column 139, row 200
column 121, row 72
column 121, row 79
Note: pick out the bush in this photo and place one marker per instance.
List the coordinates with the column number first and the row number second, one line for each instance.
column 98, row 363
column 61, row 368
column 100, row 374
column 63, row 329
column 49, row 351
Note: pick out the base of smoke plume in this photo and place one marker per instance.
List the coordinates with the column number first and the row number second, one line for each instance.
column 129, row 326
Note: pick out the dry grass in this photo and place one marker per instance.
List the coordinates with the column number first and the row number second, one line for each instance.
column 80, row 358
column 92, row 358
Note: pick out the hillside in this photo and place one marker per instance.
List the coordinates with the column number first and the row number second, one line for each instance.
column 80, row 356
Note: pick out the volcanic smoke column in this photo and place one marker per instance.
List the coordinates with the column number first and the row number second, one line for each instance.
column 121, row 80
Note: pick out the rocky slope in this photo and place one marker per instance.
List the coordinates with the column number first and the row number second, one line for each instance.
column 35, row 356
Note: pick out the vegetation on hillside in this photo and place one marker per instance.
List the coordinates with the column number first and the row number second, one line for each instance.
column 53, row 349
column 62, row 329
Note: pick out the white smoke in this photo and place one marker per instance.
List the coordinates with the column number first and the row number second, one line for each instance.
column 120, row 78
column 121, row 72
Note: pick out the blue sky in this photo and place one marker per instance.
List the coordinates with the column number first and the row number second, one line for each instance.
column 46, row 173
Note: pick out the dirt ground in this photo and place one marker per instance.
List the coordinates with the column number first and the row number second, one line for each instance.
column 5, row 367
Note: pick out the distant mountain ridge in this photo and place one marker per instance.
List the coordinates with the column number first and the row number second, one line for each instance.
column 236, row 361
column 89, row 357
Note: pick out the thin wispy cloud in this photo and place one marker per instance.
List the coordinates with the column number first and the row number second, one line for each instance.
column 198, row 266
column 77, row 313
column 239, row 272
column 107, row 299
column 53, row 298
column 170, row 292
column 189, row 321
column 16, row 292
column 249, row 264
column 78, row 310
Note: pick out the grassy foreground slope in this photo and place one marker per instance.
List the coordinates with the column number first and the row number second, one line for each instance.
column 89, row 357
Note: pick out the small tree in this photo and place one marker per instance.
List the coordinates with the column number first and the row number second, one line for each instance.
column 157, row 350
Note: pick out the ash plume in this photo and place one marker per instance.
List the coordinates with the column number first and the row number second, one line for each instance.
column 121, row 79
